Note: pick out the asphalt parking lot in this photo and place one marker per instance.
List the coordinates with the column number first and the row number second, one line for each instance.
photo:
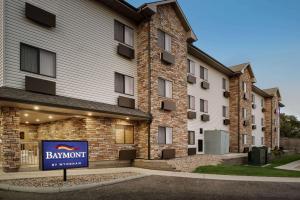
column 168, row 188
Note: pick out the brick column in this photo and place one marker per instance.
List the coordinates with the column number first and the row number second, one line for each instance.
column 11, row 148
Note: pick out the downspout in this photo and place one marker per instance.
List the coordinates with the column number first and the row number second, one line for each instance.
column 149, row 89
column 239, row 113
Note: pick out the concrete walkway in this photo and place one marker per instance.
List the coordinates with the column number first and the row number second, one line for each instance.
column 295, row 166
column 20, row 175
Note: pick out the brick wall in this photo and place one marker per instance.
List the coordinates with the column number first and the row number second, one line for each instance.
column 237, row 103
column 166, row 20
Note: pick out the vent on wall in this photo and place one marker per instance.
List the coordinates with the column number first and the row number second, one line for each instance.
column 40, row 16
column 40, row 85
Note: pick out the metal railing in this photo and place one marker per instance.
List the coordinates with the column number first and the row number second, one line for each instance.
column 29, row 153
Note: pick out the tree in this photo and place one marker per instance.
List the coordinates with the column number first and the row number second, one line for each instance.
column 289, row 126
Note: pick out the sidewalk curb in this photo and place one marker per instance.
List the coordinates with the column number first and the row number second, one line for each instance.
column 66, row 188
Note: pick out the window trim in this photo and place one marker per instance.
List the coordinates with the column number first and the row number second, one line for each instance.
column 165, row 128
column 124, row 83
column 226, row 111
column 204, row 106
column 39, row 64
column 123, row 37
column 189, row 67
column 189, row 102
column 133, row 137
column 205, row 69
column 224, row 84
column 164, row 34
column 164, row 87
column 194, row 137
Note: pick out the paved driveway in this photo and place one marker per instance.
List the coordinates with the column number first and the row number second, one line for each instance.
column 167, row 188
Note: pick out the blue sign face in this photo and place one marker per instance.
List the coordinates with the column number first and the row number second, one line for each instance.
column 64, row 154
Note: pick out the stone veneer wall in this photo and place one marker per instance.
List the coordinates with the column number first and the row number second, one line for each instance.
column 272, row 130
column 9, row 133
column 236, row 100
column 99, row 132
column 166, row 20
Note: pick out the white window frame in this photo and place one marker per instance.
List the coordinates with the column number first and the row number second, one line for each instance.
column 225, row 108
column 205, row 106
column 253, row 98
column 204, row 76
column 262, row 103
column 253, row 140
column 262, row 122
column 262, row 140
column 193, row 138
column 244, row 110
column 191, row 102
column 244, row 138
column 191, row 67
column 253, row 119
column 168, row 132
column 168, row 88
column 224, row 84
column 244, row 85
column 167, row 41
column 126, row 79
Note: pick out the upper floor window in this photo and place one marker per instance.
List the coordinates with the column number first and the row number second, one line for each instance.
column 262, row 122
column 225, row 111
column 262, row 140
column 191, row 102
column 244, row 138
column 191, row 67
column 253, row 140
column 253, row 98
column 244, row 110
column 124, row 84
column 164, row 88
column 38, row 61
column 203, row 73
column 123, row 33
column 253, row 119
column 165, row 135
column 244, row 86
column 203, row 105
column 164, row 41
column 262, row 103
column 124, row 134
column 191, row 137
column 224, row 84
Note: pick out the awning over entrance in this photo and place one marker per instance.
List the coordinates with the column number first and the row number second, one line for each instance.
column 17, row 97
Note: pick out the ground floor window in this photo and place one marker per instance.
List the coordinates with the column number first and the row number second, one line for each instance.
column 262, row 140
column 124, row 134
column 165, row 135
column 200, row 145
column 244, row 139
column 191, row 137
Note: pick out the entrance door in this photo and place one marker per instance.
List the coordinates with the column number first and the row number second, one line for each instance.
column 200, row 146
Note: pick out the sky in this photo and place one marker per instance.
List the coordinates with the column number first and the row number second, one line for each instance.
column 265, row 33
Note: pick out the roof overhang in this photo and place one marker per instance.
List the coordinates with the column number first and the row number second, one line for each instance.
column 196, row 52
column 27, row 100
column 260, row 92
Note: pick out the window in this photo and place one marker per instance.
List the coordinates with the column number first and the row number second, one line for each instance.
column 203, row 106
column 191, row 102
column 244, row 110
column 225, row 111
column 124, row 84
column 253, row 119
column 262, row 122
column 203, row 73
column 244, row 139
column 244, row 86
column 191, row 137
column 191, row 67
column 262, row 141
column 165, row 135
column 124, row 134
column 201, row 130
column 38, row 61
column 164, row 41
column 224, row 84
column 253, row 140
column 200, row 145
column 253, row 98
column 164, row 88
column 262, row 103
column 123, row 33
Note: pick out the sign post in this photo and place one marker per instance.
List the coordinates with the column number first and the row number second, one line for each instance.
column 63, row 154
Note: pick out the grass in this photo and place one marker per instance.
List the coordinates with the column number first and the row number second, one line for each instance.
column 249, row 170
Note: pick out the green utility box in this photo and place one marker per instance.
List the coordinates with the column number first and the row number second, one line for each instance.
column 257, row 156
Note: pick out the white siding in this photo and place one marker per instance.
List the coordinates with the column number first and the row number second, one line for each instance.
column 215, row 98
column 1, row 41
column 83, row 41
column 257, row 112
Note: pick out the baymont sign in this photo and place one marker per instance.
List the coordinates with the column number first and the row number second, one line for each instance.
column 63, row 154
